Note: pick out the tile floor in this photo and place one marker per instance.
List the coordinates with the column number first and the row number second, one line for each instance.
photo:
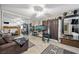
column 40, row 46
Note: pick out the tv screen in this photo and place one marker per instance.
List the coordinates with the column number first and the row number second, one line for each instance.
column 6, row 22
column 74, row 21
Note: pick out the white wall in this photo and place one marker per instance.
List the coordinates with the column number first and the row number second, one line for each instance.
column 35, row 23
column 0, row 17
column 59, row 29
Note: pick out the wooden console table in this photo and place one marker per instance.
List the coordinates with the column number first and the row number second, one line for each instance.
column 74, row 43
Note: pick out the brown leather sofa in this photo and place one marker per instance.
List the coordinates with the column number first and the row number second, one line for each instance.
column 11, row 47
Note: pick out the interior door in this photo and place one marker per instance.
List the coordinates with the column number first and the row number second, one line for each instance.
column 54, row 29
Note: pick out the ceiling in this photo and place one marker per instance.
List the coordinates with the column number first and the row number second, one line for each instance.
column 36, row 11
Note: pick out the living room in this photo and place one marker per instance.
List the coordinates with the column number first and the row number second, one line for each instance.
column 39, row 28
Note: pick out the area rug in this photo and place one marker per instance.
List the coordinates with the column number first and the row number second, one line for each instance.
column 30, row 44
column 52, row 49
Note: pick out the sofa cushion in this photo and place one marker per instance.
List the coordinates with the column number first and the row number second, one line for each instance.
column 2, row 41
column 8, row 38
column 21, row 41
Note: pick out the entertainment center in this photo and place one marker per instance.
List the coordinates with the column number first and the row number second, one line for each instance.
column 71, row 31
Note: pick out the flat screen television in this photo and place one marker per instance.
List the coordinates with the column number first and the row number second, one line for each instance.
column 6, row 22
column 74, row 21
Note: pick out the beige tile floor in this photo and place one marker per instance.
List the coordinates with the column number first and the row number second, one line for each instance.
column 40, row 46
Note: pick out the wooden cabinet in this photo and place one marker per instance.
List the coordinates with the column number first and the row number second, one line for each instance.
column 74, row 43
